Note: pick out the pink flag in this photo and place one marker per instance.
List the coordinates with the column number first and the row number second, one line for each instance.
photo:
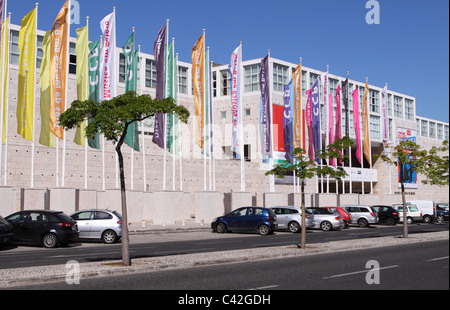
column 338, row 133
column 355, row 96
column 309, row 125
column 330, row 126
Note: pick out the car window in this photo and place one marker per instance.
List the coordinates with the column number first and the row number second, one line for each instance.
column 353, row 209
column 254, row 211
column 82, row 216
column 100, row 215
column 413, row 209
column 18, row 217
column 364, row 210
column 276, row 210
column 400, row 209
column 36, row 217
column 240, row 212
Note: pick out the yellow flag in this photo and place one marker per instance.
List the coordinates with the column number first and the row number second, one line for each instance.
column 82, row 51
column 297, row 80
column 4, row 71
column 365, row 124
column 198, row 82
column 59, row 54
column 46, row 137
column 27, row 65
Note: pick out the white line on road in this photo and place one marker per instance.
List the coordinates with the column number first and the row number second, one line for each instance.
column 439, row 258
column 262, row 288
column 357, row 272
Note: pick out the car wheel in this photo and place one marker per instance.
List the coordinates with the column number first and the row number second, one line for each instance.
column 326, row 226
column 109, row 237
column 294, row 227
column 409, row 220
column 390, row 221
column 440, row 218
column 49, row 240
column 263, row 230
column 363, row 223
column 221, row 228
column 427, row 219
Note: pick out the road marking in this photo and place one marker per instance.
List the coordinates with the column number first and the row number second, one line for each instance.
column 262, row 288
column 439, row 258
column 357, row 272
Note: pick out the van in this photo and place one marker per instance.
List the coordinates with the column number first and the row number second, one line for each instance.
column 428, row 208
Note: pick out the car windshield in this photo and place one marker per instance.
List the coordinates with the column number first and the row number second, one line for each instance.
column 63, row 217
column 117, row 214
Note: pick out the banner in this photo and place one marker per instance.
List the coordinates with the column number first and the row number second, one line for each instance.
column 107, row 58
column 171, row 127
column 346, row 109
column 384, row 117
column 338, row 132
column 315, row 108
column 297, row 107
column 159, row 54
column 265, row 118
column 365, row 123
column 82, row 52
column 408, row 170
column 27, row 65
column 288, row 120
column 198, row 78
column 236, row 108
column 308, row 121
column 46, row 137
column 59, row 53
column 324, row 79
column 355, row 96
column 94, row 84
column 332, row 161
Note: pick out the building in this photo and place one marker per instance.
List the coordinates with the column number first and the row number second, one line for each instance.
column 84, row 167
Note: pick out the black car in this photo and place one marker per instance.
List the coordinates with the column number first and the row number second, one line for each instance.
column 49, row 228
column 442, row 212
column 6, row 231
column 387, row 215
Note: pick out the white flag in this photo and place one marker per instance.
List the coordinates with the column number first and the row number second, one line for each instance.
column 236, row 111
column 107, row 58
column 384, row 118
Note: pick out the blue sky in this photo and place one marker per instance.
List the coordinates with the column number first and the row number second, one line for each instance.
column 409, row 49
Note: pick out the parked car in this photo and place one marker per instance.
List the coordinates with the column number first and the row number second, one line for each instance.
column 6, row 231
column 261, row 220
column 49, row 228
column 387, row 214
column 362, row 215
column 326, row 220
column 290, row 218
column 442, row 212
column 428, row 208
column 105, row 225
column 413, row 213
column 346, row 217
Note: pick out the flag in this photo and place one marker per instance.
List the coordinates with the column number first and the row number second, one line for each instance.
column 355, row 96
column 236, row 101
column 265, row 117
column 297, row 107
column 82, row 52
column 365, row 123
column 132, row 136
column 315, row 108
column 338, row 132
column 4, row 67
column 346, row 109
column 94, row 86
column 308, row 121
column 384, row 117
column 59, row 53
column 27, row 65
column 107, row 58
column 324, row 79
column 172, row 119
column 207, row 110
column 159, row 54
column 198, row 72
column 46, row 137
column 332, row 161
column 288, row 120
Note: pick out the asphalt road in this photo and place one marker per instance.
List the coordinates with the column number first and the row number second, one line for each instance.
column 145, row 245
column 403, row 267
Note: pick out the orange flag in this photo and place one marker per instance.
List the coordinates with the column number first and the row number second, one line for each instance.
column 198, row 82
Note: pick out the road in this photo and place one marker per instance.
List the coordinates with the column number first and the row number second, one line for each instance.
column 405, row 267
column 153, row 245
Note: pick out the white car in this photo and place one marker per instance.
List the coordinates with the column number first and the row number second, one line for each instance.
column 289, row 217
column 105, row 225
column 413, row 213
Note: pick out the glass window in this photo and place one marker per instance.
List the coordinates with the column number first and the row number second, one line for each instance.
column 82, row 216
column 99, row 215
column 424, row 129
column 150, row 73
column 409, row 109
column 14, row 52
column 374, row 126
column 398, row 107
column 374, row 101
column 182, row 79
column 433, row 130
column 280, row 77
column 440, row 131
column 251, row 79
column 225, row 83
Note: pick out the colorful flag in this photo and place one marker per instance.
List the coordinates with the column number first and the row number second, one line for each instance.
column 265, row 117
column 198, row 81
column 384, row 117
column 297, row 108
column 315, row 108
column 59, row 53
column 159, row 54
column 338, row 132
column 332, row 161
column 236, row 108
column 107, row 58
column 346, row 109
column 365, row 123
column 288, row 120
column 27, row 65
column 355, row 96
column 171, row 93
column 308, row 121
column 82, row 52
column 94, row 84
column 46, row 137
column 324, row 79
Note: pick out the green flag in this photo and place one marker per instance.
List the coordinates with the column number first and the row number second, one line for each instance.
column 94, row 85
column 172, row 93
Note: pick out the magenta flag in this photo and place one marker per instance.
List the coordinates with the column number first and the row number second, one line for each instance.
column 308, row 118
column 338, row 132
column 355, row 96
column 330, row 126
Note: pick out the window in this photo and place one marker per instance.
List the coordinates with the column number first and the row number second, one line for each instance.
column 122, row 68
column 99, row 215
column 398, row 107
column 374, row 126
column 248, row 112
column 433, row 130
column 214, row 83
column 72, row 59
column 440, row 131
column 251, row 79
column 182, row 80
column 82, row 216
column 389, row 104
column 446, row 133
column 280, row 77
column 223, row 114
column 225, row 83
column 14, row 53
column 409, row 109
column 424, row 129
column 374, row 101
column 150, row 73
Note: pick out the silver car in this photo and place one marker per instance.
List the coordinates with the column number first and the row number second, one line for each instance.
column 99, row 224
column 362, row 215
column 290, row 218
column 326, row 220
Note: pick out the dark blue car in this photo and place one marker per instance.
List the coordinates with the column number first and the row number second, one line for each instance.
column 247, row 219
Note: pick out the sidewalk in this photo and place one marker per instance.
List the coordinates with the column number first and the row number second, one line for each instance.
column 43, row 274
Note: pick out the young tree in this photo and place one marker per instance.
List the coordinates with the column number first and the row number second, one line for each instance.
column 409, row 157
column 112, row 118
column 307, row 168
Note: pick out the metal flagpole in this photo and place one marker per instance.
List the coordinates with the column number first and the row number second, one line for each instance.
column 135, row 89
column 272, row 177
column 34, row 106
column 179, row 132
column 208, row 131
column 7, row 108
column 165, row 96
column 204, row 118
column 141, row 81
column 4, row 69
column 85, row 137
column 241, row 138
column 348, row 121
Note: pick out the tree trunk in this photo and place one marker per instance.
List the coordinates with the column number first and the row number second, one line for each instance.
column 303, row 243
column 405, row 224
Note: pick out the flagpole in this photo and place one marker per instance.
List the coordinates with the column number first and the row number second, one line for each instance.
column 241, row 138
column 141, row 81
column 370, row 148
column 347, row 118
column 85, row 137
column 172, row 116
column 5, row 68
column 132, row 148
column 34, row 105
column 7, row 108
column 103, row 140
column 178, row 138
column 272, row 159
column 212, row 134
column 362, row 149
column 165, row 95
column 204, row 118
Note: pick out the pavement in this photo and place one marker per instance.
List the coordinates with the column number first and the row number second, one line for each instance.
column 20, row 277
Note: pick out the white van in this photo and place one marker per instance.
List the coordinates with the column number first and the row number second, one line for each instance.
column 428, row 208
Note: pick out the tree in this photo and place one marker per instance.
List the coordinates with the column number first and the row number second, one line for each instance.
column 307, row 168
column 112, row 118
column 410, row 158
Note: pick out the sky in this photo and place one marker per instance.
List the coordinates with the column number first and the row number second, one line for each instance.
column 408, row 48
